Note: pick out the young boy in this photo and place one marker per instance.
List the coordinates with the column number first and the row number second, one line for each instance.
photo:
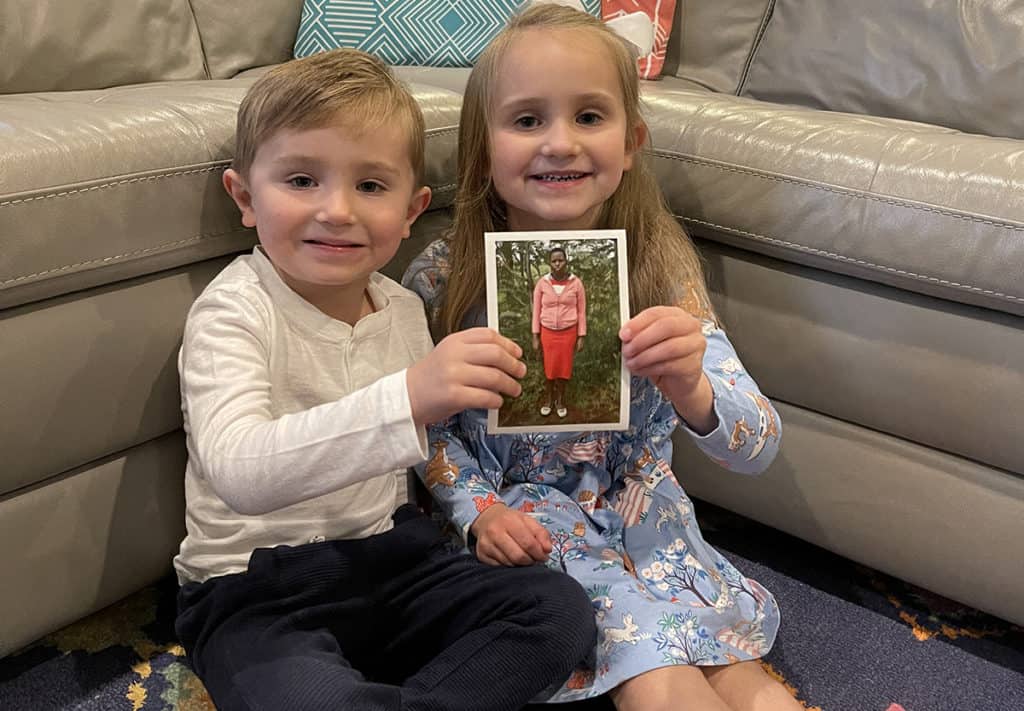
column 307, row 380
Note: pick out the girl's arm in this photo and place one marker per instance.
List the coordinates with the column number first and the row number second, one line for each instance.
column 581, row 309
column 749, row 430
column 455, row 479
column 696, row 369
column 537, row 299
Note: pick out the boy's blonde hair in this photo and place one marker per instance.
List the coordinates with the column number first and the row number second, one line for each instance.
column 345, row 87
column 664, row 267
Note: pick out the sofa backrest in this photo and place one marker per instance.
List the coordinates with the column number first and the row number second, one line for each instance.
column 57, row 45
column 50, row 45
column 953, row 64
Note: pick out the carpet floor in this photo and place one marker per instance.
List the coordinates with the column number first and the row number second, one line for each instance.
column 852, row 639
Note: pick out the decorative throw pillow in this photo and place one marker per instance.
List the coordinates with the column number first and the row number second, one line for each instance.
column 660, row 12
column 433, row 33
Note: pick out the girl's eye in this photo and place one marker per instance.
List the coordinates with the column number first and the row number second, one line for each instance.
column 527, row 122
column 589, row 118
column 301, row 182
column 369, row 186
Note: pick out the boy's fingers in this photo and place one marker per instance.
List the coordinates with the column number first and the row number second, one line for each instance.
column 482, row 335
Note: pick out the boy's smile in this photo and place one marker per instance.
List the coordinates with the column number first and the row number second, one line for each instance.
column 557, row 131
column 330, row 205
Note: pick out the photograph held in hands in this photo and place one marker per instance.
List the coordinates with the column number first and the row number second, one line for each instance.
column 562, row 296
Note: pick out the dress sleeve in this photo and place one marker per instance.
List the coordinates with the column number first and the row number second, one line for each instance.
column 427, row 275
column 749, row 429
column 256, row 462
column 454, row 476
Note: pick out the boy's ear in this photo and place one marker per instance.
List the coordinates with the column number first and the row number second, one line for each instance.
column 417, row 204
column 639, row 138
column 234, row 183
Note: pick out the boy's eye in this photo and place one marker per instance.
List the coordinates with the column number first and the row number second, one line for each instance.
column 369, row 186
column 589, row 118
column 301, row 181
column 527, row 122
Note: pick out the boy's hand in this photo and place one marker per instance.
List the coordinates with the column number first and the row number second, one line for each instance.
column 666, row 344
column 468, row 369
column 505, row 536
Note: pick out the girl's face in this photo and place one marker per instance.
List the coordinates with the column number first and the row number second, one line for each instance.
column 558, row 263
column 557, row 130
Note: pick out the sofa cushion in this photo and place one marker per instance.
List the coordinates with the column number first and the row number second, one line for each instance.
column 916, row 206
column 50, row 45
column 711, row 42
column 408, row 31
column 270, row 27
column 107, row 185
column 952, row 64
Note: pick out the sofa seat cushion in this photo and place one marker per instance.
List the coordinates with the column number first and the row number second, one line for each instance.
column 99, row 186
column 912, row 205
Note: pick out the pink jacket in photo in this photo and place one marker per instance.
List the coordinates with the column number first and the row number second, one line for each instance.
column 560, row 311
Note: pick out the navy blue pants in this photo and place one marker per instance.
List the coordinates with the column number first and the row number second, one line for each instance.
column 389, row 622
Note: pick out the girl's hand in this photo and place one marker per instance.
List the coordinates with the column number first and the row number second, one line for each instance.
column 505, row 536
column 468, row 369
column 665, row 344
column 536, row 341
column 579, row 343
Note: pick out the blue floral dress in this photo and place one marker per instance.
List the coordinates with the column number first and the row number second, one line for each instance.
column 620, row 522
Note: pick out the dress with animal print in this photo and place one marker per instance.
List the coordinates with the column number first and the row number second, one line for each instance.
column 620, row 522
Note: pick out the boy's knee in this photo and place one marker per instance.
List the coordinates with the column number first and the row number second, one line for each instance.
column 565, row 606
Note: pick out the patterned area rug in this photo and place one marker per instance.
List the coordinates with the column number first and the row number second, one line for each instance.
column 852, row 639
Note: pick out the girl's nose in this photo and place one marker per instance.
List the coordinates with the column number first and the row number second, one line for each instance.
column 336, row 209
column 560, row 140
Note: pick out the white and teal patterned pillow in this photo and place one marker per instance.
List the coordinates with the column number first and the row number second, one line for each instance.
column 433, row 33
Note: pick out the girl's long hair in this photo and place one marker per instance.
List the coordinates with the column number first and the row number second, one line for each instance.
column 664, row 267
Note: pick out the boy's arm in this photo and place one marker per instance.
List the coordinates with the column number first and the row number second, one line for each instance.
column 258, row 463
column 749, row 429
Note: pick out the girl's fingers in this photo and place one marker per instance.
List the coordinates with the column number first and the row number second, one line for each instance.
column 512, row 551
column 675, row 349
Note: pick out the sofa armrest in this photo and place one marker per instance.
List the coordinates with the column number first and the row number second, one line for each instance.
column 916, row 206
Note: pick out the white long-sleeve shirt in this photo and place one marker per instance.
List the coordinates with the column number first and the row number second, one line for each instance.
column 298, row 425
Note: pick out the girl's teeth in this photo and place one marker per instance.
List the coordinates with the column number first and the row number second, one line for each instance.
column 558, row 178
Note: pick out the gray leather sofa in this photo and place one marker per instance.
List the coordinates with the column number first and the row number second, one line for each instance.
column 869, row 266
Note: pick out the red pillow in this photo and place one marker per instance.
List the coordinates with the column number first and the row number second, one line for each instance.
column 660, row 12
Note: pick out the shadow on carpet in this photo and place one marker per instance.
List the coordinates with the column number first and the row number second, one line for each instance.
column 852, row 639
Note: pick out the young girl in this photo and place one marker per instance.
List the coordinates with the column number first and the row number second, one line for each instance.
column 559, row 325
column 549, row 138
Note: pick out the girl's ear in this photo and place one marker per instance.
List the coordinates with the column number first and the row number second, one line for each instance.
column 639, row 138
column 235, row 185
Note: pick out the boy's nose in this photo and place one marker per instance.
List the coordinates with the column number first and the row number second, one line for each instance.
column 560, row 140
column 336, row 208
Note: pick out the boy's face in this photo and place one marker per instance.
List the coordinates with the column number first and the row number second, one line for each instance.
column 558, row 130
column 330, row 205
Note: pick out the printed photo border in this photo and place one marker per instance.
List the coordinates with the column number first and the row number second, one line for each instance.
column 554, row 238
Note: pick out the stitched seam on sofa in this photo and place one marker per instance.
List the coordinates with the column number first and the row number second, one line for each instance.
column 852, row 260
column 220, row 165
column 769, row 10
column 115, row 183
column 133, row 253
column 842, row 191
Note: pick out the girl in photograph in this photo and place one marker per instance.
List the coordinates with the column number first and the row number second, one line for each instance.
column 559, row 327
column 550, row 138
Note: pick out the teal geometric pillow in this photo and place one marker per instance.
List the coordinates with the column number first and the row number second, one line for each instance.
column 432, row 33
